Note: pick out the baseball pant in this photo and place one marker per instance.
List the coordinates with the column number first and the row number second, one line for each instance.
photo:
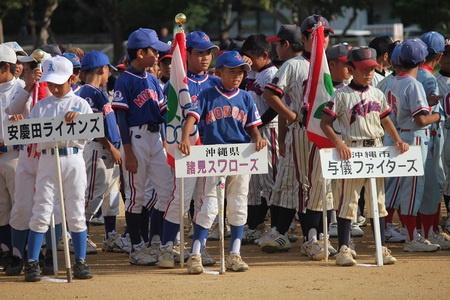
column 8, row 164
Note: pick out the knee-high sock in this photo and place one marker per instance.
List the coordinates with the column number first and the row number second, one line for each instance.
column 134, row 227
column 382, row 227
column 410, row 223
column 35, row 240
column 79, row 240
column 144, row 224
column 170, row 231
column 262, row 211
column 252, row 216
column 19, row 240
column 5, row 237
column 199, row 238
column 437, row 218
column 237, row 232
column 343, row 231
column 427, row 224
column 285, row 217
column 274, row 212
column 110, row 224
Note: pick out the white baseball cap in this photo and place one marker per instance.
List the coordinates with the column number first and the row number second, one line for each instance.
column 57, row 70
column 16, row 47
column 7, row 54
column 30, row 58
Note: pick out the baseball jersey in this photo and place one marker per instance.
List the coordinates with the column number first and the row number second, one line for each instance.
column 99, row 102
column 52, row 107
column 227, row 115
column 358, row 111
column 407, row 99
column 256, row 82
column 140, row 94
column 385, row 82
column 443, row 80
column 7, row 92
column 378, row 77
column 289, row 82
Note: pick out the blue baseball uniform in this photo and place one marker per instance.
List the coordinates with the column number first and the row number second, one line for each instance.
column 434, row 168
column 139, row 95
column 227, row 115
column 102, row 172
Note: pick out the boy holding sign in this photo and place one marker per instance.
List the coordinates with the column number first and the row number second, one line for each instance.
column 58, row 72
column 224, row 129
column 361, row 112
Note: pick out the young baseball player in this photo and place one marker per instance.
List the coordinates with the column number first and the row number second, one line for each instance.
column 443, row 79
column 230, row 67
column 199, row 56
column 285, row 96
column 382, row 45
column 414, row 116
column 9, row 85
column 435, row 179
column 259, row 50
column 19, row 52
column 359, row 130
column 164, row 63
column 76, row 62
column 313, row 247
column 25, row 176
column 57, row 72
column 102, row 155
column 139, row 102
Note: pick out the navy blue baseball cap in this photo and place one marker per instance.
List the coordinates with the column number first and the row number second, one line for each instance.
column 396, row 54
column 74, row 59
column 145, row 38
column 413, row 51
column 231, row 59
column 338, row 51
column 199, row 41
column 310, row 22
column 363, row 57
column 434, row 40
column 95, row 59
column 291, row 33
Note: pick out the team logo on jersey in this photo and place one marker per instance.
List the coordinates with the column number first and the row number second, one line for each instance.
column 118, row 96
column 194, row 100
column 253, row 86
column 89, row 100
column 75, row 109
column 144, row 96
column 275, row 80
column 107, row 109
column 287, row 100
column 226, row 112
column 362, row 108
column 50, row 68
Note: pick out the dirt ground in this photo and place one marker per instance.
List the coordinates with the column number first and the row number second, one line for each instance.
column 271, row 276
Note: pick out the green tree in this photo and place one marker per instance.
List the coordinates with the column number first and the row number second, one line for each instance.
column 5, row 7
column 428, row 14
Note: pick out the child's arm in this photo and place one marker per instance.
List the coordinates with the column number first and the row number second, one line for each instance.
column 390, row 128
column 325, row 125
column 275, row 102
column 115, row 153
column 256, row 138
column 423, row 120
column 185, row 144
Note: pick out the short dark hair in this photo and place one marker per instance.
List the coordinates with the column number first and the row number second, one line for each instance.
column 257, row 45
column 132, row 53
column 431, row 56
column 91, row 71
column 408, row 65
column 295, row 47
column 12, row 67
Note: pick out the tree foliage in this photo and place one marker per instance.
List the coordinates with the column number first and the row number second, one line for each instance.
column 428, row 14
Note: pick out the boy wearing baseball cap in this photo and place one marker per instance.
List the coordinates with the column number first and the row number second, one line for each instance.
column 434, row 185
column 199, row 56
column 285, row 95
column 58, row 72
column 102, row 155
column 231, row 67
column 414, row 118
column 9, row 86
column 139, row 105
column 383, row 46
column 359, row 130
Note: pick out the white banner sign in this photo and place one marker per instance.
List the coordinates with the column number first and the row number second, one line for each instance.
column 372, row 162
column 53, row 129
column 221, row 160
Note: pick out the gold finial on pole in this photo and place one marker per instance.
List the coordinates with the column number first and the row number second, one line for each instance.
column 180, row 19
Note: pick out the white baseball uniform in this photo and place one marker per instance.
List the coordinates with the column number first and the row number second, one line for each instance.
column 73, row 170
column 261, row 185
column 291, row 182
column 358, row 113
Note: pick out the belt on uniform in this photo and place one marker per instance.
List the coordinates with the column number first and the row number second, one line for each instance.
column 62, row 151
column 151, row 127
column 365, row 143
column 8, row 148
